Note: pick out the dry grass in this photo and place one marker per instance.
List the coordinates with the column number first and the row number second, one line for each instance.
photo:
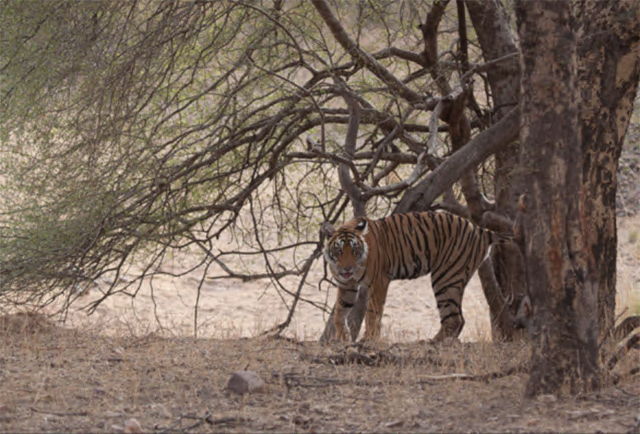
column 60, row 380
column 628, row 284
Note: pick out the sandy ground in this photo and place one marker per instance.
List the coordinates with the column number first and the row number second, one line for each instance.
column 54, row 379
column 229, row 307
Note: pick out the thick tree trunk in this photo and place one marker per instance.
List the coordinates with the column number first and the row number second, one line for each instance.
column 560, row 272
column 497, row 40
column 608, row 74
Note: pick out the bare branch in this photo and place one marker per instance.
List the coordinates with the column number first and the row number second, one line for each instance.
column 497, row 222
column 400, row 54
column 449, row 171
column 355, row 194
column 420, row 167
column 350, row 46
column 487, row 65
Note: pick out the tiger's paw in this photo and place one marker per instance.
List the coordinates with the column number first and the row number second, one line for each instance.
column 369, row 342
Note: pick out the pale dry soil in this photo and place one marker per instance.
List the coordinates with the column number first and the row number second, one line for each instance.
column 60, row 380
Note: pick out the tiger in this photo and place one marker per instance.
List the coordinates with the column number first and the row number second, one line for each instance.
column 366, row 253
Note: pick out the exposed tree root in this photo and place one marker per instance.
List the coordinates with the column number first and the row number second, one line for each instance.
column 306, row 381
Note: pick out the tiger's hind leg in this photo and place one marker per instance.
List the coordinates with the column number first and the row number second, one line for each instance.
column 449, row 301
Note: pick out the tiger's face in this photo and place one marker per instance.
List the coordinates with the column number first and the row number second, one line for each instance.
column 346, row 251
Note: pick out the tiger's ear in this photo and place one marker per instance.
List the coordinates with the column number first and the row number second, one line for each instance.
column 363, row 226
column 326, row 230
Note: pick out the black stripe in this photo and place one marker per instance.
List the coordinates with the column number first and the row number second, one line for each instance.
column 426, row 234
column 400, row 265
column 448, row 286
column 461, row 263
column 449, row 244
column 448, row 301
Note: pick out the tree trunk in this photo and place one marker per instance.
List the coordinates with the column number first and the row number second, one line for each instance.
column 608, row 73
column 496, row 39
column 560, row 273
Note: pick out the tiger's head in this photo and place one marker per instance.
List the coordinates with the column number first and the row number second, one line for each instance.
column 346, row 251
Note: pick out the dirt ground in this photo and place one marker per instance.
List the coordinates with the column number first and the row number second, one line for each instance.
column 60, row 380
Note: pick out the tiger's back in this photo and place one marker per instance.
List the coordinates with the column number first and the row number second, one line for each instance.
column 407, row 246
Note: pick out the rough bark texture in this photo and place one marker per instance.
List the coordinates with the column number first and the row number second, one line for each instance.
column 496, row 39
column 560, row 273
column 608, row 74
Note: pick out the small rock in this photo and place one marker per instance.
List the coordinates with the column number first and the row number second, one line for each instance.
column 117, row 428
column 424, row 414
column 132, row 426
column 162, row 411
column 242, row 382
column 547, row 398
column 205, row 392
column 100, row 391
column 302, row 420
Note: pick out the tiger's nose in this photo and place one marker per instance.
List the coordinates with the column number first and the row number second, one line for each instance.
column 346, row 272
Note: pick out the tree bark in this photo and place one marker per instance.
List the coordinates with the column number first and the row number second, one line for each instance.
column 608, row 74
column 496, row 40
column 560, row 272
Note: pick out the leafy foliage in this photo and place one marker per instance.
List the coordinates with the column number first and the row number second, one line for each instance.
column 132, row 128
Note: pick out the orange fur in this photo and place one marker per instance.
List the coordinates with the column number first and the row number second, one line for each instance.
column 372, row 253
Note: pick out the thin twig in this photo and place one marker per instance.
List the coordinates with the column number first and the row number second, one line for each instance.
column 201, row 420
column 59, row 413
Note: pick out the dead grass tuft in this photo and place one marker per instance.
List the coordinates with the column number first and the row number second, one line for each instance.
column 25, row 323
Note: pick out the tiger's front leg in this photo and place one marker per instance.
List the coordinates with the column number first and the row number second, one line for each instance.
column 375, row 307
column 346, row 299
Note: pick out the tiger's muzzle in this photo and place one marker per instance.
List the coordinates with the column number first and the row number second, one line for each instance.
column 346, row 273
